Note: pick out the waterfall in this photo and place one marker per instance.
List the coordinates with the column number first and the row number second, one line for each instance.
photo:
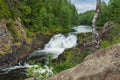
column 57, row 44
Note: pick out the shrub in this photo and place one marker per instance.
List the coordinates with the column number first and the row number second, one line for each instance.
column 57, row 67
column 105, row 44
column 4, row 10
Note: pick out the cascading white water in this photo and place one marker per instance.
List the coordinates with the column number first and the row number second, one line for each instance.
column 57, row 44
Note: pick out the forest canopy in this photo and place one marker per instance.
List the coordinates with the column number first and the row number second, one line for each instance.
column 55, row 15
column 41, row 15
column 108, row 12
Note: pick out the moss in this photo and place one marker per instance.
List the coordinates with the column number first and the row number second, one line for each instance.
column 4, row 10
column 17, row 44
column 2, row 52
column 104, row 44
column 5, row 49
column 13, row 30
column 71, row 53
column 29, row 34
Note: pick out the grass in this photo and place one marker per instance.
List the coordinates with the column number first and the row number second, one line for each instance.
column 13, row 30
column 73, row 57
column 113, row 37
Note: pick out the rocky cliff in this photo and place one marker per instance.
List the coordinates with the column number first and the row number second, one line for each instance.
column 102, row 65
column 9, row 32
column 14, row 44
column 5, row 37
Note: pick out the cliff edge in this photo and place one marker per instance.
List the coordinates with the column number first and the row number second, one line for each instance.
column 102, row 65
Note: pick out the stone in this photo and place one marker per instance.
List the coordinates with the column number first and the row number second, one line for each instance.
column 102, row 65
column 24, row 50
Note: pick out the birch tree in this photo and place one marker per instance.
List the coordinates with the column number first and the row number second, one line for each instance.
column 95, row 34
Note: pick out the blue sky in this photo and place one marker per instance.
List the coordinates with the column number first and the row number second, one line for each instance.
column 84, row 5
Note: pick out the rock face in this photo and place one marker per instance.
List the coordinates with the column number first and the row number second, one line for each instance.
column 6, row 34
column 102, row 65
column 9, row 50
column 10, row 53
column 5, row 37
column 21, row 52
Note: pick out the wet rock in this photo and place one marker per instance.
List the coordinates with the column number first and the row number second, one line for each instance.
column 4, row 58
column 21, row 52
column 102, row 65
column 10, row 53
column 40, row 40
column 60, row 58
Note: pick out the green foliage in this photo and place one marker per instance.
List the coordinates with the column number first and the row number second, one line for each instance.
column 104, row 44
column 27, row 10
column 39, row 72
column 13, row 30
column 4, row 10
column 73, row 57
column 71, row 61
column 86, row 18
column 112, row 37
column 55, row 15
column 109, row 12
column 104, row 15
column 114, row 8
column 48, row 16
column 114, row 33
column 29, row 34
column 62, row 66
column 83, row 36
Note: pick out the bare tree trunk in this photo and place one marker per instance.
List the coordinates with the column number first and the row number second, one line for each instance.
column 95, row 34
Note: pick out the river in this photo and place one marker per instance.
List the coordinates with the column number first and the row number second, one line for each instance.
column 56, row 46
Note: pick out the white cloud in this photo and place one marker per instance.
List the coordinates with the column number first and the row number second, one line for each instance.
column 84, row 5
column 107, row 1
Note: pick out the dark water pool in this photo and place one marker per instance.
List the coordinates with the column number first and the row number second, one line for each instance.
column 17, row 74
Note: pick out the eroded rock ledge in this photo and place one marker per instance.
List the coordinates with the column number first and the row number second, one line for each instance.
column 21, row 52
column 102, row 65
column 12, row 52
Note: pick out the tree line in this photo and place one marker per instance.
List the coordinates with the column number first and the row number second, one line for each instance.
column 41, row 15
column 108, row 12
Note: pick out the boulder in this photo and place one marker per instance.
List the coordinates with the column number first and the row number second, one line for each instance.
column 102, row 65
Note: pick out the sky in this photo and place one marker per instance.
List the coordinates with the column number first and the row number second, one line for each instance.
column 84, row 5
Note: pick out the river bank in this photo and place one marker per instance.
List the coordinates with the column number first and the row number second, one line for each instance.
column 38, row 42
column 77, row 54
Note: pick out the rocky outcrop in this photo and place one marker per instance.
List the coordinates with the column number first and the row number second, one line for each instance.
column 7, row 34
column 12, row 52
column 102, row 65
column 40, row 40
column 21, row 52
column 5, row 37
